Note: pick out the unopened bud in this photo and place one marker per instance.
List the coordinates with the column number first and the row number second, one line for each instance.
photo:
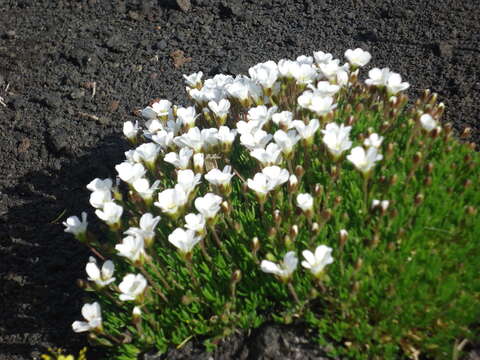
column 429, row 167
column 428, row 181
column 417, row 157
column 361, row 137
column 385, row 125
column 315, row 227
column 343, row 236
column 472, row 146
column 136, row 315
column 436, row 132
column 466, row 133
column 425, row 95
column 236, row 276
column 238, row 227
column 433, row 99
column 467, row 183
column 255, row 245
column 318, row 190
column 288, row 241
column 272, row 233
column 245, row 188
column 299, row 171
column 393, row 179
column 348, row 108
column 376, row 240
column 334, row 172
column 419, row 199
column 448, row 128
column 277, row 217
column 390, row 150
column 467, row 158
column 294, row 232
column 351, row 120
column 358, row 264
column 226, row 207
column 326, row 214
column 355, row 287
column 337, row 201
column 82, row 284
column 470, row 210
column 292, row 183
column 358, row 108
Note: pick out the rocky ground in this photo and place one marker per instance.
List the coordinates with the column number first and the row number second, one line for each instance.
column 71, row 72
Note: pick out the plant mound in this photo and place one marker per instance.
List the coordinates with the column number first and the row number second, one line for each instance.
column 297, row 194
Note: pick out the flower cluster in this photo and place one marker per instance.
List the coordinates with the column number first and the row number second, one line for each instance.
column 216, row 197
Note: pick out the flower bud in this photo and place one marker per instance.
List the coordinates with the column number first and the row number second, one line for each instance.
column 337, row 201
column 198, row 163
column 277, row 217
column 136, row 315
column 472, row 146
column 294, row 232
column 334, row 172
column 326, row 215
column 299, row 171
column 348, row 109
column 288, row 241
column 417, row 157
column 238, row 227
column 425, row 95
column 272, row 233
column 393, row 180
column 342, row 238
column 82, row 284
column 467, row 183
column 292, row 183
column 470, row 210
column 318, row 190
column 375, row 240
column 419, row 199
column 236, row 276
column 358, row 264
column 351, row 120
column 429, row 168
column 358, row 108
column 428, row 181
column 467, row 158
column 390, row 150
column 255, row 245
column 433, row 99
column 355, row 287
column 315, row 228
column 226, row 207
column 448, row 128
column 466, row 133
column 385, row 125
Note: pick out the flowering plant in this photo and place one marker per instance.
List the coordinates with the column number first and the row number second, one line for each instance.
column 301, row 162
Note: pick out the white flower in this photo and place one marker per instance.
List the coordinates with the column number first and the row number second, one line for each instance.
column 306, row 131
column 336, row 138
column 180, row 160
column 259, row 139
column 331, row 68
column 303, row 59
column 220, row 109
column 373, row 140
column 305, row 202
column 226, row 136
column 93, row 314
column 101, row 277
column 259, row 184
column 394, row 84
column 143, row 188
column 276, row 176
column 383, row 204
column 153, row 126
column 132, row 247
column 321, row 57
column 265, row 74
column 209, row 205
column 210, row 139
column 321, row 105
column 305, row 100
column 187, row 116
column 111, row 213
column 194, row 80
column 378, row 77
column 100, row 185
column 220, row 178
column 162, row 108
column 304, row 73
column 147, row 224
column 428, row 122
column 193, row 139
column 283, row 119
column 130, row 130
column 285, row 269
column 286, row 67
column 147, row 153
column 248, row 127
column 76, row 227
column 261, row 114
column 195, row 222
column 324, row 89
column 364, row 162
column 242, row 88
column 358, row 57
column 317, row 262
column 286, row 141
column 184, row 240
column 188, row 180
column 164, row 138
column 272, row 155
column 99, row 198
column 170, row 201
column 130, row 172
column 132, row 287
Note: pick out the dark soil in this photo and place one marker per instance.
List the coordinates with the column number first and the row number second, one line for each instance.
column 71, row 72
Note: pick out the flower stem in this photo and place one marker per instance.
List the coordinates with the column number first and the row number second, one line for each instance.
column 293, row 292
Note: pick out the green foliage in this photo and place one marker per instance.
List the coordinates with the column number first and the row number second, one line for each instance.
column 404, row 281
